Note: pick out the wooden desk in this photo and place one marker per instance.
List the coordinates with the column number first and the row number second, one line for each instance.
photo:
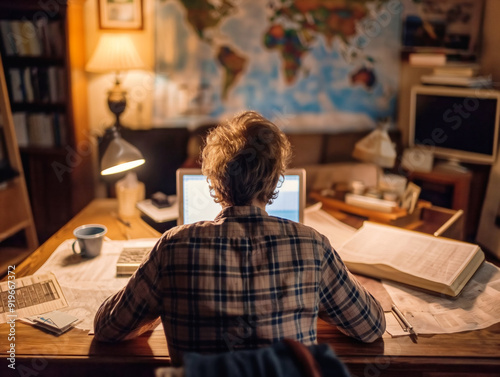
column 75, row 353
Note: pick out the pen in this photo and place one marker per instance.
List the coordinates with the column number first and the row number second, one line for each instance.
column 124, row 222
column 403, row 319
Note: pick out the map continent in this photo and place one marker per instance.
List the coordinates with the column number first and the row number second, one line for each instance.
column 320, row 63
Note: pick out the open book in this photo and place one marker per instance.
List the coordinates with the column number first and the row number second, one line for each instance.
column 433, row 263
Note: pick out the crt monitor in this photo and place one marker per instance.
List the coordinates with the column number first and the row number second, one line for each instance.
column 457, row 124
column 196, row 203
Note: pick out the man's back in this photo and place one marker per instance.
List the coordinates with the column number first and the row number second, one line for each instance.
column 248, row 280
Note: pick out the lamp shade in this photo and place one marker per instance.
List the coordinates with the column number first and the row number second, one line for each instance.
column 376, row 148
column 114, row 52
column 120, row 156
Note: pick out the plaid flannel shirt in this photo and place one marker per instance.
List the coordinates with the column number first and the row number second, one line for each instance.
column 242, row 281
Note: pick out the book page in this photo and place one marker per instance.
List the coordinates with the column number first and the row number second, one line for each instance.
column 336, row 231
column 433, row 258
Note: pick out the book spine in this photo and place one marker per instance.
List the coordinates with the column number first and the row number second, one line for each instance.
column 8, row 42
column 28, row 86
column 427, row 59
column 35, row 83
column 31, row 39
column 16, row 85
column 20, row 128
column 52, row 83
column 56, row 39
column 17, row 38
column 43, row 85
column 43, row 35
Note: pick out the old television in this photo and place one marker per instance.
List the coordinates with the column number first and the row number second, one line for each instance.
column 455, row 124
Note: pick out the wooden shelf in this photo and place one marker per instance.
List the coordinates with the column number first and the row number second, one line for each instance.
column 60, row 178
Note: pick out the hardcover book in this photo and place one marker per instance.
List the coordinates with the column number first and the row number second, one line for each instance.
column 421, row 260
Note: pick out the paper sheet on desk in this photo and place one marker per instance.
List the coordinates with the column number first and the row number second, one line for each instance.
column 34, row 294
column 86, row 283
column 477, row 307
column 336, row 231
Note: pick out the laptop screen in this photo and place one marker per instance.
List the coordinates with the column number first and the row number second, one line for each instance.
column 196, row 204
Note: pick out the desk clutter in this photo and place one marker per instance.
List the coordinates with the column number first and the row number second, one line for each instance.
column 83, row 284
column 391, row 194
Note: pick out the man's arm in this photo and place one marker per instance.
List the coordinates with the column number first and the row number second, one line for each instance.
column 136, row 308
column 345, row 303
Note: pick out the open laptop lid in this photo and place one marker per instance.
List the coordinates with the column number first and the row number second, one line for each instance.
column 196, row 204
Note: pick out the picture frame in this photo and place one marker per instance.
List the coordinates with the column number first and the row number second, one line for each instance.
column 450, row 26
column 121, row 14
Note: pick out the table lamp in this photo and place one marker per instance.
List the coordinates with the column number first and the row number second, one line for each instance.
column 115, row 53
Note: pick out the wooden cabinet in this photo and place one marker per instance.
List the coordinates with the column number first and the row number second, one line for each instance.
column 42, row 45
column 447, row 189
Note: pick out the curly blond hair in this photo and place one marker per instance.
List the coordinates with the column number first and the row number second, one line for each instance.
column 244, row 159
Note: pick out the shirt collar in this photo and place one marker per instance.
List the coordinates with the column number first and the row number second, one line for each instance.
column 241, row 211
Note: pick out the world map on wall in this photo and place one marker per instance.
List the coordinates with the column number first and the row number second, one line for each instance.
column 306, row 64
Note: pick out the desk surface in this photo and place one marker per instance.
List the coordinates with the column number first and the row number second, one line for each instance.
column 470, row 353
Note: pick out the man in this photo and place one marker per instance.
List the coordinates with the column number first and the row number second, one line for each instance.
column 244, row 280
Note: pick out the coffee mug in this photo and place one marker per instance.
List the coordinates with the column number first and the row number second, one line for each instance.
column 89, row 238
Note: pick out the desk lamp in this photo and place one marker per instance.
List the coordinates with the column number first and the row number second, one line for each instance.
column 377, row 148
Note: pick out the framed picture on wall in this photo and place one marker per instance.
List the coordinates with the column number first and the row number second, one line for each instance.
column 452, row 26
column 120, row 14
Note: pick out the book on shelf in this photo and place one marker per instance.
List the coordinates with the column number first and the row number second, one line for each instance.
column 427, row 59
column 28, row 85
column 7, row 38
column 27, row 38
column 424, row 261
column 20, row 128
column 463, row 70
column 461, row 81
column 38, row 84
column 41, row 130
column 16, row 85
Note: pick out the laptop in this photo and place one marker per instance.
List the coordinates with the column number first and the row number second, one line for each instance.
column 196, row 204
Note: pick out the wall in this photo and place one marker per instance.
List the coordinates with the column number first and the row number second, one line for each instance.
column 138, row 83
column 491, row 41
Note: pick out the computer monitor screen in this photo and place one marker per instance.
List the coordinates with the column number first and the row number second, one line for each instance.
column 196, row 203
column 458, row 124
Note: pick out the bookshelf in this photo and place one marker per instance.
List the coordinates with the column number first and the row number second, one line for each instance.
column 42, row 52
column 18, row 236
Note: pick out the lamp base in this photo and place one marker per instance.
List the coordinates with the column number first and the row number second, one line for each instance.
column 117, row 101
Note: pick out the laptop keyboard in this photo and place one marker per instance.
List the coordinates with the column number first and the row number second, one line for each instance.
column 130, row 259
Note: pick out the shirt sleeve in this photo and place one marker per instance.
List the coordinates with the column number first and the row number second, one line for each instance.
column 136, row 308
column 345, row 303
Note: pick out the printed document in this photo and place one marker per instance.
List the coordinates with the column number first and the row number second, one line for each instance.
column 35, row 294
column 86, row 283
column 476, row 307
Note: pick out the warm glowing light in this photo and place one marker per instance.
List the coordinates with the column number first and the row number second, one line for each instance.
column 123, row 167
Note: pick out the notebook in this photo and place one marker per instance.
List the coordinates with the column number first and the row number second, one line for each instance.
column 196, row 204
